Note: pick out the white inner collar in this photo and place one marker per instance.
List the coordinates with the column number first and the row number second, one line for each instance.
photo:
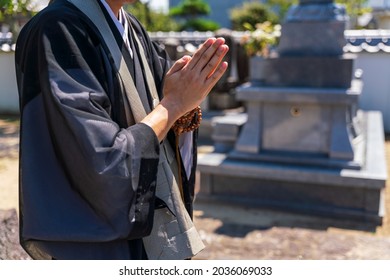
column 122, row 24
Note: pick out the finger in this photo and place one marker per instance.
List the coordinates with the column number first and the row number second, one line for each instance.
column 214, row 78
column 179, row 64
column 215, row 61
column 208, row 54
column 200, row 52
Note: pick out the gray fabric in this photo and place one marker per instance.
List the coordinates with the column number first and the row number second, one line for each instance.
column 168, row 241
column 173, row 235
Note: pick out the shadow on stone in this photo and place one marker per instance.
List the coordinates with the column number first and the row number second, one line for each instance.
column 236, row 230
column 236, row 220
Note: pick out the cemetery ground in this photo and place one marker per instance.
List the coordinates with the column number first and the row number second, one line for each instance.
column 229, row 232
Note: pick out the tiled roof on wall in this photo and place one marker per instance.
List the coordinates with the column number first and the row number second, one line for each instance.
column 371, row 41
column 7, row 48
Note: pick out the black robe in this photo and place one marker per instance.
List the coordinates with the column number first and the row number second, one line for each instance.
column 87, row 180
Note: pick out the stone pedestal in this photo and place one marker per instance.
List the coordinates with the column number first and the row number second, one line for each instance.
column 316, row 126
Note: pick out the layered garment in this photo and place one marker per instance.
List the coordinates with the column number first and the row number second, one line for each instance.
column 87, row 177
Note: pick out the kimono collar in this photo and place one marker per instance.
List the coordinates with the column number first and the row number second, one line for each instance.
column 122, row 24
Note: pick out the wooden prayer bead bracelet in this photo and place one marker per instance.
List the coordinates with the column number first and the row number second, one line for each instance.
column 188, row 122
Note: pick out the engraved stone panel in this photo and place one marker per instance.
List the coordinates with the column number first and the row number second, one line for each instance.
column 296, row 127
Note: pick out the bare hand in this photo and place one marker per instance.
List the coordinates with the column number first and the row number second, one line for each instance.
column 187, row 83
column 190, row 80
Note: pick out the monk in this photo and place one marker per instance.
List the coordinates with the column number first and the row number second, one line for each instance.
column 102, row 173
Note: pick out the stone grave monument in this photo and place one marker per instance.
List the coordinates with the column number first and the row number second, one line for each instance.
column 303, row 145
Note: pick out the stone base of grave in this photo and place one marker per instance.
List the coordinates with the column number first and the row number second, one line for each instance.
column 311, row 189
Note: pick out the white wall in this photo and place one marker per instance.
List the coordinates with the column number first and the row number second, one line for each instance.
column 9, row 100
column 376, row 88
column 379, row 3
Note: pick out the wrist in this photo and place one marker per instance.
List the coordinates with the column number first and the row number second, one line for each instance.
column 173, row 108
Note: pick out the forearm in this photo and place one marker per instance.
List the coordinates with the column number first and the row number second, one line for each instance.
column 162, row 118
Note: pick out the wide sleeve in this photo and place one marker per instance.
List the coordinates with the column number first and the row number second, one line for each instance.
column 113, row 169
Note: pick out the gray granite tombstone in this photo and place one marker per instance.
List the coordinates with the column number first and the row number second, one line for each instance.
column 305, row 146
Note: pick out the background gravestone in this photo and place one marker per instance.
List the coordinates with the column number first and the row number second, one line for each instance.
column 304, row 146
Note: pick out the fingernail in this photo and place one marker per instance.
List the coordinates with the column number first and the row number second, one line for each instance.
column 209, row 42
column 223, row 48
column 221, row 40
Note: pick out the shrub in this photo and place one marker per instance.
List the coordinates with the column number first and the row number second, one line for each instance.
column 251, row 13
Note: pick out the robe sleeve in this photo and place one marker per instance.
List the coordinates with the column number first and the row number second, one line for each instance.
column 113, row 169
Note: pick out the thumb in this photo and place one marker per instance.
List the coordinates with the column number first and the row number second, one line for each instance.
column 179, row 64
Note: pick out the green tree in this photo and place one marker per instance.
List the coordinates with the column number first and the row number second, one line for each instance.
column 14, row 13
column 200, row 24
column 10, row 8
column 191, row 11
column 355, row 8
column 153, row 21
column 251, row 13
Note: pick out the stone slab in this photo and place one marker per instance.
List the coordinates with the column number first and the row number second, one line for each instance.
column 258, row 92
column 303, row 71
column 305, row 191
column 312, row 38
column 226, row 130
